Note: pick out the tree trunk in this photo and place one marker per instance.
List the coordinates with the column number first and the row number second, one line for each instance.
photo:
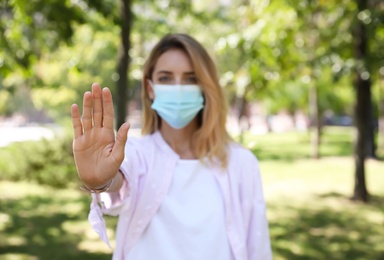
column 363, row 104
column 241, row 104
column 381, row 114
column 370, row 141
column 314, row 110
column 370, row 145
column 315, row 121
column 123, row 62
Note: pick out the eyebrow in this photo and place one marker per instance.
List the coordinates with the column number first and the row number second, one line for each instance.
column 170, row 72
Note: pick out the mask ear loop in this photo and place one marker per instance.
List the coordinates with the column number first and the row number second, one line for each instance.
column 150, row 83
column 157, row 118
column 152, row 87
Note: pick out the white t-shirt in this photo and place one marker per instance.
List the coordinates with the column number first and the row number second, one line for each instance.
column 190, row 224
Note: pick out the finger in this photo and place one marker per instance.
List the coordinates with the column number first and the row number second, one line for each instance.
column 121, row 139
column 97, row 105
column 87, row 110
column 76, row 122
column 108, row 113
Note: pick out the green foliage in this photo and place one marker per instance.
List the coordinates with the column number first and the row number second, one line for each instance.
column 68, row 73
column 30, row 28
column 48, row 162
column 25, row 25
column 36, row 35
column 268, row 51
column 5, row 101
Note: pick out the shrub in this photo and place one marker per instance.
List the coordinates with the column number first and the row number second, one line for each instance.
column 48, row 162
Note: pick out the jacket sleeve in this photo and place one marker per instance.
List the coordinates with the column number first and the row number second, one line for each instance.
column 254, row 208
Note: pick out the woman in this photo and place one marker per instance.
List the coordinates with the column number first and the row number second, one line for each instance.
column 183, row 190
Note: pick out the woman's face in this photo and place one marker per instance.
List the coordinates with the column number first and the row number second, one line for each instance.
column 173, row 67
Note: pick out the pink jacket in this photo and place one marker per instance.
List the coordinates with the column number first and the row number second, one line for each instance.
column 148, row 167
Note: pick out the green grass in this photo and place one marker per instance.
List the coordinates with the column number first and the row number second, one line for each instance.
column 289, row 146
column 309, row 210
column 311, row 215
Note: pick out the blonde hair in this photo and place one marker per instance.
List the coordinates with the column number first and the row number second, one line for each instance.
column 211, row 139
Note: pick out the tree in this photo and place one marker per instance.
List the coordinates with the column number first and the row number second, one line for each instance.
column 29, row 30
column 123, row 61
column 255, row 53
column 374, row 17
column 363, row 112
column 323, row 38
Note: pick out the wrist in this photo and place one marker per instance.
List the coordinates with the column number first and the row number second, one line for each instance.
column 99, row 189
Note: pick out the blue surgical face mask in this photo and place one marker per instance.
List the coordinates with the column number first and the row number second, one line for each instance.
column 177, row 104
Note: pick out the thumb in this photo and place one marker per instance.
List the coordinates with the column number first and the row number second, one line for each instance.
column 121, row 139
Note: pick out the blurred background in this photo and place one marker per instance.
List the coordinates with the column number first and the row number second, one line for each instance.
column 304, row 78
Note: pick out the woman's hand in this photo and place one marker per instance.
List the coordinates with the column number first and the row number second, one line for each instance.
column 98, row 155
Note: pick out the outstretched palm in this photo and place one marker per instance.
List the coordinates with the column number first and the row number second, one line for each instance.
column 98, row 155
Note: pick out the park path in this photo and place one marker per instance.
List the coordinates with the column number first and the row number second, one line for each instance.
column 12, row 134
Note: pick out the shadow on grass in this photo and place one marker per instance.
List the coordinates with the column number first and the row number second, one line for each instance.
column 298, row 232
column 36, row 229
column 374, row 201
column 328, row 233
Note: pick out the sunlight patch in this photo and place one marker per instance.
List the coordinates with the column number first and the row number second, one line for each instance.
column 12, row 190
column 16, row 241
column 4, row 221
column 95, row 246
column 72, row 209
column 76, row 228
column 17, row 257
column 375, row 217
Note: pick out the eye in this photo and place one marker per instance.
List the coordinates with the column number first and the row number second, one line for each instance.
column 164, row 79
column 191, row 80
